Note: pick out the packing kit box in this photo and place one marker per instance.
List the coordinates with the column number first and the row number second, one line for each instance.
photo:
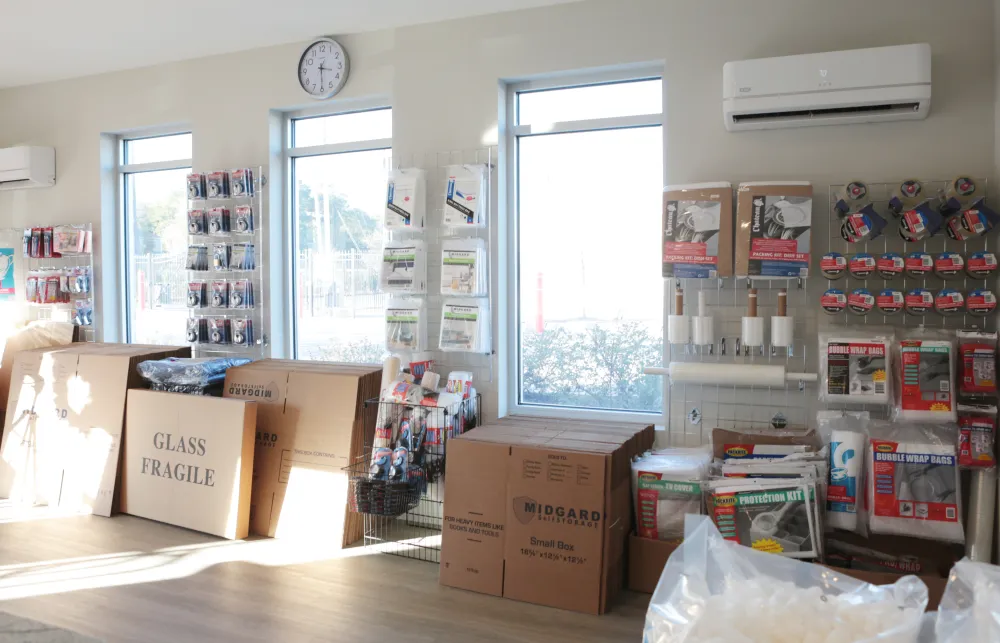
column 698, row 230
column 773, row 229
column 189, row 461
column 646, row 560
column 312, row 422
column 535, row 514
column 65, row 417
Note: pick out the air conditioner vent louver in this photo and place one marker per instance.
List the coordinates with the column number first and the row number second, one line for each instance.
column 900, row 108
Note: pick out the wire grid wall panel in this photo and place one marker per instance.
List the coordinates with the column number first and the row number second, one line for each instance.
column 435, row 164
column 257, row 314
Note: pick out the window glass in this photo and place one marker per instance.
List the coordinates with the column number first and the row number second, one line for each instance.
column 342, row 128
column 590, row 102
column 158, row 149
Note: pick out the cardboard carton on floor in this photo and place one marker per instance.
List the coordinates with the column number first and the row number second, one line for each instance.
column 189, row 461
column 312, row 422
column 39, row 334
column 65, row 419
column 538, row 518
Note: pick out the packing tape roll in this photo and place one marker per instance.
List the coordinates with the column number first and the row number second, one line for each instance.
column 759, row 375
column 982, row 509
column 753, row 331
column 782, row 331
column 678, row 329
column 961, row 188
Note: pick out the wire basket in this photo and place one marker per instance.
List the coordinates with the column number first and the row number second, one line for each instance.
column 374, row 497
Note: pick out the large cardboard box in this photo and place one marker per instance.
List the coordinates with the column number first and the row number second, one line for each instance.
column 65, row 419
column 39, row 334
column 535, row 514
column 189, row 461
column 646, row 560
column 312, row 422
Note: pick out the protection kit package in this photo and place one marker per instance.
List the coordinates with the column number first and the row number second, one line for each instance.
column 773, row 229
column 698, row 230
column 405, row 201
column 855, row 369
column 779, row 517
column 666, row 485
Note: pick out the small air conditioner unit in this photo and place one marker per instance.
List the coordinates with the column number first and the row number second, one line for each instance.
column 833, row 88
column 27, row 167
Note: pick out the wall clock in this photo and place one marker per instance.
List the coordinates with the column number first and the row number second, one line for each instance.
column 323, row 68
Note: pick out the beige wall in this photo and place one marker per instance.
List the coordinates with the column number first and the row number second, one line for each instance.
column 443, row 83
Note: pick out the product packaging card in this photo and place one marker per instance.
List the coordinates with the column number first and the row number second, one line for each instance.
column 698, row 230
column 773, row 229
column 404, row 267
column 915, row 481
column 775, row 520
column 856, row 370
column 465, row 194
column 405, row 199
column 927, row 380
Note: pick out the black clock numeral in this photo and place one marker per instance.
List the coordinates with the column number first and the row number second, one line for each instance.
column 336, row 54
column 322, row 48
column 309, row 62
column 305, row 71
column 337, row 77
column 331, row 85
column 340, row 65
column 314, row 87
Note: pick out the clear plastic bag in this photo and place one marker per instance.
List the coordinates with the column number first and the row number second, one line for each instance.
column 177, row 371
column 667, row 485
column 714, row 591
column 970, row 608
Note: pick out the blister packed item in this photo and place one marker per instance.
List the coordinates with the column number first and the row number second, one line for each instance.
column 196, row 186
column 197, row 330
column 219, row 331
column 220, row 294
column 977, row 364
column 243, row 221
column 197, row 294
column 845, row 433
column 926, row 379
column 969, row 611
column 773, row 516
column 405, row 199
column 463, row 268
column 977, row 430
column 197, row 258
column 70, row 240
column 404, row 267
column 241, row 182
column 197, row 222
column 920, row 223
column 405, row 326
column 465, row 196
column 698, row 230
column 219, row 221
column 243, row 257
column 465, row 326
column 855, row 369
column 713, row 591
column 184, row 371
column 217, row 184
column 912, row 484
column 221, row 256
column 666, row 485
column 241, row 294
column 243, row 333
column 83, row 312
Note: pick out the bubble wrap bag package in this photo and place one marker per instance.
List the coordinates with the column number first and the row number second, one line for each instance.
column 970, row 608
column 667, row 485
column 714, row 591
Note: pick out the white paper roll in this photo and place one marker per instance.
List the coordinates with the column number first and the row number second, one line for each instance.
column 782, row 331
column 703, row 330
column 430, row 381
column 678, row 329
column 753, row 331
column 391, row 368
column 732, row 374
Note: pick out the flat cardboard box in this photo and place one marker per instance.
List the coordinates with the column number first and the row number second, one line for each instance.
column 39, row 334
column 763, row 252
column 646, row 560
column 65, row 419
column 707, row 252
column 189, row 461
column 541, row 519
column 312, row 423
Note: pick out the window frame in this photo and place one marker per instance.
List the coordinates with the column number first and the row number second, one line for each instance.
column 290, row 224
column 512, row 314
column 123, row 171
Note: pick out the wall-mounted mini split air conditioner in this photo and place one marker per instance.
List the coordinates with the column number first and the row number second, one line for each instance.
column 27, row 167
column 833, row 88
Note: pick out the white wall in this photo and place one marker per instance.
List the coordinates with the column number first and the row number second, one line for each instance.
column 443, row 81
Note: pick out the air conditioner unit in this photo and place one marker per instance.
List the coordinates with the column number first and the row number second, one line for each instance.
column 833, row 88
column 27, row 167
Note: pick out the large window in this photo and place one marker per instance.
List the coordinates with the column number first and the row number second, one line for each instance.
column 587, row 193
column 154, row 211
column 339, row 166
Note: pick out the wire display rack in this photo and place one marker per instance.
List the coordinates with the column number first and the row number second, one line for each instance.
column 398, row 484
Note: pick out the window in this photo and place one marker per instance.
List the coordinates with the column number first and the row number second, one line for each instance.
column 339, row 166
column 588, row 168
column 154, row 216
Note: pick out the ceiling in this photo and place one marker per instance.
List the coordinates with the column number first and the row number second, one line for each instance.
column 46, row 40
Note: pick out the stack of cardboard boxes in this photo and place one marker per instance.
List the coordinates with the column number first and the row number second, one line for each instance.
column 539, row 510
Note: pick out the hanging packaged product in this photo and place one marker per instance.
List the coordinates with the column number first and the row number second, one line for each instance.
column 243, row 257
column 845, row 433
column 404, row 267
column 83, row 312
column 864, row 225
column 861, row 266
column 465, row 326
column 851, row 197
column 219, row 221
column 833, row 265
column 243, row 334
column 219, row 331
column 465, row 196
column 220, row 294
column 920, row 223
column 698, row 230
column 241, row 294
column 949, row 302
column 919, row 301
column 68, row 240
column 667, row 485
column 890, row 265
column 218, row 185
column 463, row 267
column 243, row 219
column 833, row 301
column 405, row 326
column 196, row 186
column 773, row 221
column 977, row 363
column 890, row 301
column 981, row 265
column 860, row 301
column 912, row 484
column 406, row 202
column 918, row 264
column 905, row 195
column 977, row 428
column 981, row 302
column 973, row 222
column 197, row 330
column 855, row 370
column 197, row 258
column 197, row 222
column 241, row 182
column 948, row 265
column 778, row 517
column 927, row 375
column 221, row 256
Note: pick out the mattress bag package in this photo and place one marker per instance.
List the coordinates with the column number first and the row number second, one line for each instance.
column 667, row 485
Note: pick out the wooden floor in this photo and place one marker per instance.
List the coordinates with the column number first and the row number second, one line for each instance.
column 129, row 579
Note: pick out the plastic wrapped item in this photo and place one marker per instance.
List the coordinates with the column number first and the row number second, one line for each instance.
column 713, row 591
column 977, row 362
column 465, row 326
column 855, row 369
column 845, row 433
column 912, row 484
column 926, row 379
column 178, row 371
column 969, row 611
column 463, row 268
column 666, row 485
column 977, row 429
column 465, row 197
column 405, row 203
column 404, row 267
column 406, row 326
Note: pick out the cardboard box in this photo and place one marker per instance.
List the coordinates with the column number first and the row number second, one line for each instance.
column 539, row 516
column 39, row 334
column 65, row 420
column 773, row 229
column 698, row 230
column 646, row 560
column 189, row 461
column 312, row 422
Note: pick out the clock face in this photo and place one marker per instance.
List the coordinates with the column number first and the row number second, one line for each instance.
column 323, row 68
